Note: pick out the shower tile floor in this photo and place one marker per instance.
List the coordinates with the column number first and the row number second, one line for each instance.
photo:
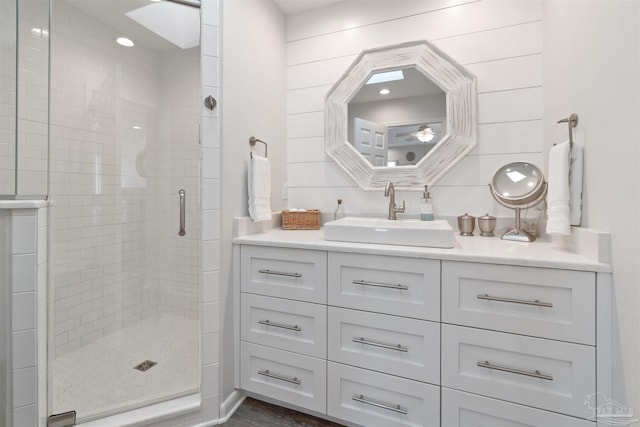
column 99, row 379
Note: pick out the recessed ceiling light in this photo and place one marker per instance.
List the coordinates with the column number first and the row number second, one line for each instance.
column 137, row 127
column 384, row 92
column 123, row 41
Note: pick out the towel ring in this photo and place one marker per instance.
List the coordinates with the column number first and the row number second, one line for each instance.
column 252, row 142
column 572, row 120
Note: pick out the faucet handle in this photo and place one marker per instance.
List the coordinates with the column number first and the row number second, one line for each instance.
column 400, row 210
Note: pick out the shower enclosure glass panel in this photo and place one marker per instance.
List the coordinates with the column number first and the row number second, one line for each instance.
column 33, row 80
column 124, row 285
column 5, row 321
column 24, row 74
column 8, row 51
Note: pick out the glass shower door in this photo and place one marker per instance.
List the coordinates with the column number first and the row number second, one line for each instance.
column 124, row 283
column 8, row 99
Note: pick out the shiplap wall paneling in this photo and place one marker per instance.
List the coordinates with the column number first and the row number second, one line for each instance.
column 499, row 41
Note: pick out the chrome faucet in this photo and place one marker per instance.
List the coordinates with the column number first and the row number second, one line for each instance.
column 390, row 192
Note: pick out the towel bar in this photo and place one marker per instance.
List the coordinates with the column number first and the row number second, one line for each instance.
column 572, row 120
column 252, row 142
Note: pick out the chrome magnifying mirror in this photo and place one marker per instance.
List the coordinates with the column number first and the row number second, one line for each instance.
column 518, row 186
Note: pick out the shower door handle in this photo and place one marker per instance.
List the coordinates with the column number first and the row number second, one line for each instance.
column 181, row 193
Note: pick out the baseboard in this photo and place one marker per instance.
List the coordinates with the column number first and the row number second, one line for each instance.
column 227, row 408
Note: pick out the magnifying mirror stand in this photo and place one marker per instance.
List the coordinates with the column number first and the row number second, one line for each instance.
column 517, row 234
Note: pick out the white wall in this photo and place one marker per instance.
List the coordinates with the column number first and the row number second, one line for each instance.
column 592, row 68
column 499, row 41
column 253, row 103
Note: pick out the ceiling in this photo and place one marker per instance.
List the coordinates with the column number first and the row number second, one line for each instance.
column 112, row 14
column 289, row 7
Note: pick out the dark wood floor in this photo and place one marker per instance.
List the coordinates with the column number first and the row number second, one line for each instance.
column 254, row 413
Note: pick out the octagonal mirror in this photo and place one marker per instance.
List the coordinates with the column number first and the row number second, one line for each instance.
column 404, row 113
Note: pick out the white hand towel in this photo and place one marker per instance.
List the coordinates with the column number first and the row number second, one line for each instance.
column 558, row 194
column 575, row 185
column 259, row 180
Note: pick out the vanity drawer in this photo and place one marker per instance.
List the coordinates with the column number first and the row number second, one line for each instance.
column 545, row 374
column 373, row 399
column 394, row 345
column 557, row 304
column 299, row 274
column 289, row 377
column 385, row 284
column 289, row 325
column 470, row 410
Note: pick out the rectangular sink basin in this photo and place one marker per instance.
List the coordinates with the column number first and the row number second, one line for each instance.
column 410, row 232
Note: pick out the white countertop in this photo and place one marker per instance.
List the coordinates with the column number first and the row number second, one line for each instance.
column 491, row 250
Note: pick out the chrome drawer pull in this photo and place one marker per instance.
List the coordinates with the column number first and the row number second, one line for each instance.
column 516, row 301
column 378, row 404
column 398, row 347
column 534, row 374
column 280, row 325
column 293, row 380
column 381, row 285
column 280, row 273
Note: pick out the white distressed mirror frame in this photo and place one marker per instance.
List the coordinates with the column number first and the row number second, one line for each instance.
column 462, row 134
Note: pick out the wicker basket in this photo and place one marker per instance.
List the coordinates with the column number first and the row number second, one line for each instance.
column 309, row 220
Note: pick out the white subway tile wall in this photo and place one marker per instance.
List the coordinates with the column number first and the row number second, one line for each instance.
column 500, row 42
column 22, row 227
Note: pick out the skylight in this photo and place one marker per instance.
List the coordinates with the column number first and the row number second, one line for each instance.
column 386, row 76
column 177, row 23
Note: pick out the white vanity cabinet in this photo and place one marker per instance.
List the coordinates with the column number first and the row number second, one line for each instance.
column 384, row 340
column 520, row 334
column 383, row 337
column 283, row 324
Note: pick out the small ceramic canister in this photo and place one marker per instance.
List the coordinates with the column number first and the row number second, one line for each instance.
column 487, row 224
column 466, row 224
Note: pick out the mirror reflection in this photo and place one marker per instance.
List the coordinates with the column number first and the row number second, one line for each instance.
column 397, row 117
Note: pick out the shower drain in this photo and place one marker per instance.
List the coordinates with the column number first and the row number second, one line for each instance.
column 146, row 365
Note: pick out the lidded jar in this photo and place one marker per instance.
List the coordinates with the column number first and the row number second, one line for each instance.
column 466, row 224
column 487, row 224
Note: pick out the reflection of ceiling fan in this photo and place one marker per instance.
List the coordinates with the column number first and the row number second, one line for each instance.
column 424, row 134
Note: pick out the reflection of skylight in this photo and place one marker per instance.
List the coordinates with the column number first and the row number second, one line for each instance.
column 174, row 22
column 387, row 76
column 516, row 176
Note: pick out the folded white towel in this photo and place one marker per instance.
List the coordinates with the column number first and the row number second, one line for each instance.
column 575, row 185
column 259, row 182
column 558, row 190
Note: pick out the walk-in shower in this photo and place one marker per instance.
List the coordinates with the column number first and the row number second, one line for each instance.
column 124, row 142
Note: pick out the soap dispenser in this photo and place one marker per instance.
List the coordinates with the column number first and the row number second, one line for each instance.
column 427, row 210
column 339, row 212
